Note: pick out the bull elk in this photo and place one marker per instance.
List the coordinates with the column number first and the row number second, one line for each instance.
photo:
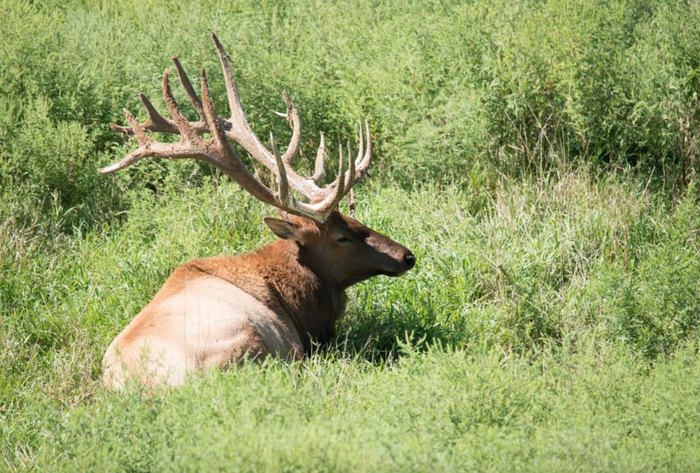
column 278, row 300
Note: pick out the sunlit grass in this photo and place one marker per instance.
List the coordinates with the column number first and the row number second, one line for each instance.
column 538, row 158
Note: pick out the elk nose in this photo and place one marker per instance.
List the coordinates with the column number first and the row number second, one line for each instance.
column 409, row 259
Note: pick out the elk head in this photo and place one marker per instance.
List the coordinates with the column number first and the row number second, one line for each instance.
column 339, row 246
column 342, row 249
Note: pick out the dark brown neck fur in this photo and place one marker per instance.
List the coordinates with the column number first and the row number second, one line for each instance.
column 282, row 278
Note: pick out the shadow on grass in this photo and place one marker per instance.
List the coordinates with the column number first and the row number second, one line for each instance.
column 385, row 335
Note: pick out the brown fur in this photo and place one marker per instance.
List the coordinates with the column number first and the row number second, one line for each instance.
column 301, row 279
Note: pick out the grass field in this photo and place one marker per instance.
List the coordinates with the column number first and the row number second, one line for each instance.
column 539, row 158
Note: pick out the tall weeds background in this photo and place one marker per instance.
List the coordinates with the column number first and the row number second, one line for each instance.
column 540, row 158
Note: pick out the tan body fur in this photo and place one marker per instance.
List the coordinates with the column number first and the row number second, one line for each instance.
column 205, row 316
column 278, row 300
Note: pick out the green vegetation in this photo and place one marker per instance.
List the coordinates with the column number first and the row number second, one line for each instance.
column 540, row 158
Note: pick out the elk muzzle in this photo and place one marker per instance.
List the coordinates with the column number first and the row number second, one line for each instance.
column 391, row 258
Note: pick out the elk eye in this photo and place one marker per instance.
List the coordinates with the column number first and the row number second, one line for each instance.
column 343, row 239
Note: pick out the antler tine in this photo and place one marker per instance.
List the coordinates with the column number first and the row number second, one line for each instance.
column 329, row 203
column 187, row 133
column 155, row 121
column 240, row 129
column 319, row 168
column 226, row 159
column 292, row 116
column 141, row 136
column 187, row 85
column 282, row 182
column 353, row 176
column 364, row 160
column 242, row 133
column 350, row 174
column 293, row 119
column 211, row 118
column 234, row 100
column 361, row 151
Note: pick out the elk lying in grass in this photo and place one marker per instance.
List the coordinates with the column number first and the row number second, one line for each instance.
column 277, row 300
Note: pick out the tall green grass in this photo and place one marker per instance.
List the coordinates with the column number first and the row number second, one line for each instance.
column 538, row 157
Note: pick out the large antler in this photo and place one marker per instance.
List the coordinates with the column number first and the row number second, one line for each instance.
column 218, row 152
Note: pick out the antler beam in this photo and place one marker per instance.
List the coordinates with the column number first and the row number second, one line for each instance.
column 218, row 151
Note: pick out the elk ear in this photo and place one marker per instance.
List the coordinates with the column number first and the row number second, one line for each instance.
column 284, row 229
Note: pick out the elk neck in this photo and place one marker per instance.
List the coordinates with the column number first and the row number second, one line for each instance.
column 286, row 280
column 311, row 299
